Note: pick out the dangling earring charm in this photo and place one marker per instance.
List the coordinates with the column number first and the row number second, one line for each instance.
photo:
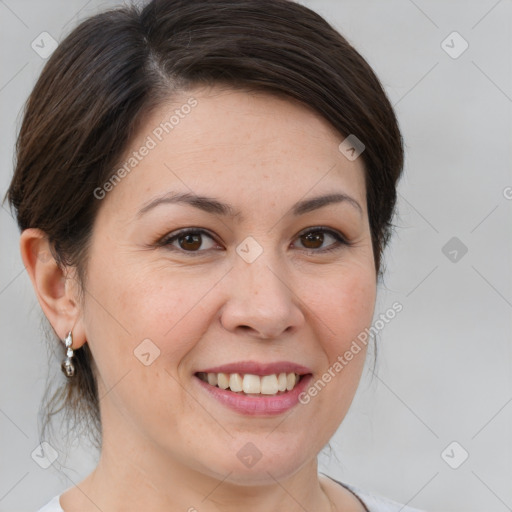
column 67, row 365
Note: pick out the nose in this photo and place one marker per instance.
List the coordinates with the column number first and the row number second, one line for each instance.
column 260, row 301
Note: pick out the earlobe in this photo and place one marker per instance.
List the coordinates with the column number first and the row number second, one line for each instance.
column 55, row 290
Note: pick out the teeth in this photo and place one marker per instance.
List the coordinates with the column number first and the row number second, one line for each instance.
column 269, row 384
column 252, row 384
column 290, row 381
column 235, row 382
column 281, row 382
column 222, row 380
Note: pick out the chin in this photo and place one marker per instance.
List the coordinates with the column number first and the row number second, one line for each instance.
column 254, row 460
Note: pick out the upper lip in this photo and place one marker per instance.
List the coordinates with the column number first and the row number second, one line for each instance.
column 260, row 369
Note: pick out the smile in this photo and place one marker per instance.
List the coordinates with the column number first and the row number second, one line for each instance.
column 255, row 389
column 250, row 384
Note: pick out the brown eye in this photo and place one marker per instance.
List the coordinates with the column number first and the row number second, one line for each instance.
column 188, row 241
column 313, row 240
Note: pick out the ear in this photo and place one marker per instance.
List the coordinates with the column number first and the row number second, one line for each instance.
column 56, row 288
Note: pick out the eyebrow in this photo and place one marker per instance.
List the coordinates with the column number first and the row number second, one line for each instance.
column 214, row 206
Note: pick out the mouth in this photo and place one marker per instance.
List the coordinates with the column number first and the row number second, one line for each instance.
column 250, row 384
column 251, row 388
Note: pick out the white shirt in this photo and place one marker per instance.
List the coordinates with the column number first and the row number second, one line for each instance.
column 372, row 502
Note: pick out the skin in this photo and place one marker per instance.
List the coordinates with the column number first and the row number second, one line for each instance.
column 168, row 446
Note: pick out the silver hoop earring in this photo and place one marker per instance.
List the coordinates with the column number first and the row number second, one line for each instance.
column 67, row 365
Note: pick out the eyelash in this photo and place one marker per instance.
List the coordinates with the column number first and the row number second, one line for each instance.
column 167, row 240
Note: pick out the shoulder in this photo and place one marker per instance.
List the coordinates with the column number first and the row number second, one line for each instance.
column 52, row 506
column 375, row 503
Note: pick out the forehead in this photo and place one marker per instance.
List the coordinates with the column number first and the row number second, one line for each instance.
column 219, row 141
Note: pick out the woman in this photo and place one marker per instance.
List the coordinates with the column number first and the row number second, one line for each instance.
column 204, row 190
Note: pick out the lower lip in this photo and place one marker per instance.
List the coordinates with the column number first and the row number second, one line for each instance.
column 263, row 405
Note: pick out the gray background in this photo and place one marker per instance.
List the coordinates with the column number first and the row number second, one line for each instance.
column 445, row 362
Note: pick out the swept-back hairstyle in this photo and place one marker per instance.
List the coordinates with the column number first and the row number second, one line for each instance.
column 116, row 67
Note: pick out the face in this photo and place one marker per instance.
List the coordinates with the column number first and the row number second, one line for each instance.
column 263, row 283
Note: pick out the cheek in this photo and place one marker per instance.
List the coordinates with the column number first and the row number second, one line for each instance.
column 344, row 306
column 129, row 304
column 343, row 310
column 139, row 331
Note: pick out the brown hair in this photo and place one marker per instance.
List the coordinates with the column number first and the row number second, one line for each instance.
column 117, row 66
